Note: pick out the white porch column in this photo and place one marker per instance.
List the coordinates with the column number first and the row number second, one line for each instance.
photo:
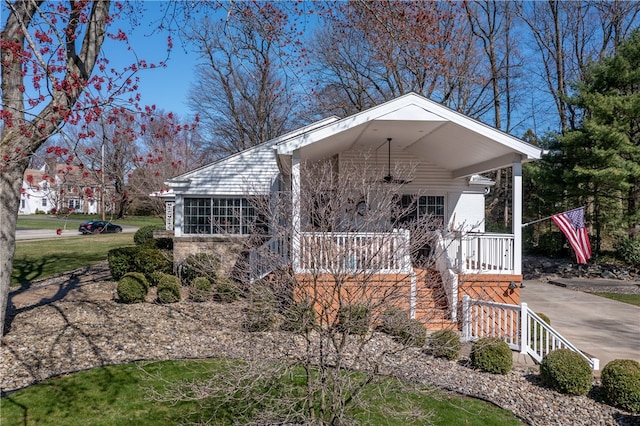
column 295, row 210
column 517, row 217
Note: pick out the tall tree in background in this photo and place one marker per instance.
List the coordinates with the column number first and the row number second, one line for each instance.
column 371, row 52
column 601, row 158
column 240, row 88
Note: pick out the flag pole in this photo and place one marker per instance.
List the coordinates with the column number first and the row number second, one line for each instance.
column 549, row 217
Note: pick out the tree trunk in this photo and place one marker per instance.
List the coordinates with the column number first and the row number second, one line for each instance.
column 10, row 184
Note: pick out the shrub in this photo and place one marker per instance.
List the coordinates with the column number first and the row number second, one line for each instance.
column 149, row 260
column 260, row 314
column 122, row 260
column 139, row 259
column 132, row 288
column 492, row 354
column 200, row 290
column 144, row 235
column 169, row 289
column 566, row 371
column 621, row 384
column 299, row 317
column 155, row 277
column 393, row 320
column 226, row 290
column 414, row 333
column 198, row 265
column 445, row 344
column 628, row 250
column 354, row 319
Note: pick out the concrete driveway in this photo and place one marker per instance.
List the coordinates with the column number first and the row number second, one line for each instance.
column 604, row 328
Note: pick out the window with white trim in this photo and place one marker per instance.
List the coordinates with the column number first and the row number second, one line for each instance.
column 417, row 207
column 219, row 216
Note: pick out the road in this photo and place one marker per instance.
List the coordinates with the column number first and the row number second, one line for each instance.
column 71, row 231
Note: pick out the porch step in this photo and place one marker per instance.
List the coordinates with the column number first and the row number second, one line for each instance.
column 431, row 301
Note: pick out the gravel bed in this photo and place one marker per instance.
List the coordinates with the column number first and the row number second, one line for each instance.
column 87, row 328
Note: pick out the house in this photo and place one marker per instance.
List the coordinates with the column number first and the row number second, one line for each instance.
column 448, row 153
column 58, row 187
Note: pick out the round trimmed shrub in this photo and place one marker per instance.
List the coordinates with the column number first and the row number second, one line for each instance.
column 492, row 354
column 566, row 371
column 149, row 260
column 199, row 265
column 414, row 333
column 132, row 288
column 155, row 277
column 201, row 289
column 226, row 290
column 445, row 344
column 621, row 384
column 354, row 319
column 144, row 235
column 169, row 289
column 260, row 314
column 393, row 320
column 299, row 317
column 122, row 260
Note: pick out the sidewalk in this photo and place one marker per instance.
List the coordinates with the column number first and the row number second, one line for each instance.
column 603, row 328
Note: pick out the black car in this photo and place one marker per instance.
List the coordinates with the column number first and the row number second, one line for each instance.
column 98, row 227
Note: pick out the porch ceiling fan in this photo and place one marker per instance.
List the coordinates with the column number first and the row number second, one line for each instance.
column 389, row 177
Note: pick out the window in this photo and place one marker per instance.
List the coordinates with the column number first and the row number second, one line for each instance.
column 44, row 202
column 218, row 216
column 23, row 203
column 414, row 208
column 74, row 204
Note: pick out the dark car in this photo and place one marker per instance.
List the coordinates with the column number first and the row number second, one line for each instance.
column 98, row 227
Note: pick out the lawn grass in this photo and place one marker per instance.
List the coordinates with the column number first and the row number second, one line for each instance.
column 71, row 222
column 38, row 259
column 633, row 299
column 116, row 395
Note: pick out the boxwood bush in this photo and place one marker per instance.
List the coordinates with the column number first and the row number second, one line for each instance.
column 144, row 237
column 261, row 312
column 393, row 320
column 132, row 288
column 354, row 319
column 445, row 344
column 199, row 265
column 299, row 317
column 201, row 289
column 225, row 290
column 122, row 260
column 492, row 354
column 139, row 259
column 566, row 371
column 621, row 384
column 169, row 289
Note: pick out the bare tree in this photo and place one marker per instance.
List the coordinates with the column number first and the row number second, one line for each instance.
column 240, row 89
column 361, row 265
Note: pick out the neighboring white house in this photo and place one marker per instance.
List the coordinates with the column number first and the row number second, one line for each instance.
column 449, row 152
column 60, row 188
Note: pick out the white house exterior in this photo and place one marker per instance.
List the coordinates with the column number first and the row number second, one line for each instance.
column 448, row 152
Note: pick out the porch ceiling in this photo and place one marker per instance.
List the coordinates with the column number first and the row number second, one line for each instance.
column 451, row 146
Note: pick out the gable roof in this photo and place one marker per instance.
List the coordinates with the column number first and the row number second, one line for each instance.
column 423, row 128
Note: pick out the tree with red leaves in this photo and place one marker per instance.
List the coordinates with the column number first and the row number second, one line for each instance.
column 53, row 74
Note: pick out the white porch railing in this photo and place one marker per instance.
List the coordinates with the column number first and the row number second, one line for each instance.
column 268, row 257
column 359, row 252
column 476, row 252
column 520, row 327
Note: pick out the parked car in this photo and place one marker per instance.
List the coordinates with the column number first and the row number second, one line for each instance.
column 98, row 227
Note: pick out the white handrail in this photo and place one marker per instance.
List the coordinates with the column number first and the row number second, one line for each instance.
column 520, row 327
column 479, row 252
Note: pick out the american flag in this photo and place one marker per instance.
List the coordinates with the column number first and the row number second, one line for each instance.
column 571, row 223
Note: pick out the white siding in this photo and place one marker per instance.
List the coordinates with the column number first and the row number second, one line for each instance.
column 464, row 204
column 250, row 172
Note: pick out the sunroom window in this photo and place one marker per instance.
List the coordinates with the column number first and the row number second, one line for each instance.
column 219, row 216
column 418, row 207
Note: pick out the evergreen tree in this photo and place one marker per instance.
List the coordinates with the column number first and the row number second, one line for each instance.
column 598, row 163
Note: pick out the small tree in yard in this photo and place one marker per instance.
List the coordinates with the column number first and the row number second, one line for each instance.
column 355, row 261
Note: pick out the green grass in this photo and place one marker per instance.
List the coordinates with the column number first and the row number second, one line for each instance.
column 116, row 395
column 633, row 299
column 38, row 259
column 53, row 222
